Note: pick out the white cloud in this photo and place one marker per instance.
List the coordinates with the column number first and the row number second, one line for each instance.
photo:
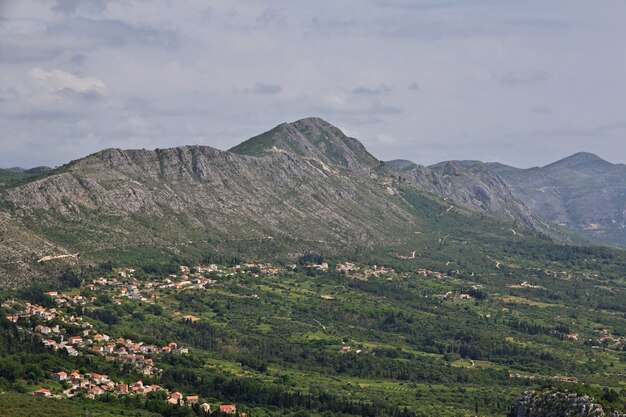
column 57, row 80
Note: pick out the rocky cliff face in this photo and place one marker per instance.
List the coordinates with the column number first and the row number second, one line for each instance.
column 558, row 404
column 474, row 187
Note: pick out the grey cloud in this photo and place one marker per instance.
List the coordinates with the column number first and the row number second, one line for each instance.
column 115, row 33
column 78, row 59
column 39, row 115
column 603, row 130
column 74, row 6
column 15, row 54
column 420, row 7
column 90, row 96
column 271, row 18
column 381, row 89
column 168, row 69
column 522, row 77
column 541, row 109
column 265, row 89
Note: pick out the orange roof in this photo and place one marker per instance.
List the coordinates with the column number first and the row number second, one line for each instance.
column 228, row 408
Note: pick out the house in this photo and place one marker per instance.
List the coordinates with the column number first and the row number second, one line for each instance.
column 43, row 329
column 122, row 389
column 71, row 351
column 49, row 343
column 99, row 379
column 572, row 336
column 177, row 395
column 74, row 340
column 42, row 392
column 228, row 409
column 59, row 376
column 192, row 399
column 206, row 408
column 97, row 349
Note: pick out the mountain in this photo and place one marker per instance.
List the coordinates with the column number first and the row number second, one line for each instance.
column 311, row 138
column 302, row 187
column 582, row 192
column 473, row 187
column 16, row 175
column 401, row 164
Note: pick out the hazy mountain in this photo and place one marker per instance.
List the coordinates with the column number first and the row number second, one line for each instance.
column 401, row 164
column 582, row 191
column 15, row 175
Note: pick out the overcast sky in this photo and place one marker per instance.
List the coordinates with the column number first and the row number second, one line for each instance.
column 521, row 82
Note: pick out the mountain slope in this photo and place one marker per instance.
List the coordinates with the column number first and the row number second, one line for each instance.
column 470, row 186
column 583, row 192
column 193, row 200
column 302, row 187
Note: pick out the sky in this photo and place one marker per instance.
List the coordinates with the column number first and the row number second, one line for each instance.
column 520, row 82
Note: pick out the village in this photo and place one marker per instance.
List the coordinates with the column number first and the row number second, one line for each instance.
column 60, row 329
column 72, row 334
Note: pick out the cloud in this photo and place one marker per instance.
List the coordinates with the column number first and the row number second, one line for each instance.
column 522, row 77
column 113, row 33
column 381, row 89
column 541, row 109
column 359, row 109
column 69, row 7
column 14, row 54
column 59, row 81
column 613, row 129
column 265, row 89
column 464, row 74
column 271, row 18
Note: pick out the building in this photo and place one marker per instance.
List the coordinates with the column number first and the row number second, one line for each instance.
column 59, row 376
column 228, row 409
column 42, row 392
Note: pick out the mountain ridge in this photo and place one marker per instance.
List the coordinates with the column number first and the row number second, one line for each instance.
column 301, row 187
column 581, row 191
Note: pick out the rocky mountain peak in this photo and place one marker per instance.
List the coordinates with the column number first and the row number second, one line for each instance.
column 311, row 138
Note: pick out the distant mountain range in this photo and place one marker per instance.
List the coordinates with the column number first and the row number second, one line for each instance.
column 302, row 187
column 582, row 192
